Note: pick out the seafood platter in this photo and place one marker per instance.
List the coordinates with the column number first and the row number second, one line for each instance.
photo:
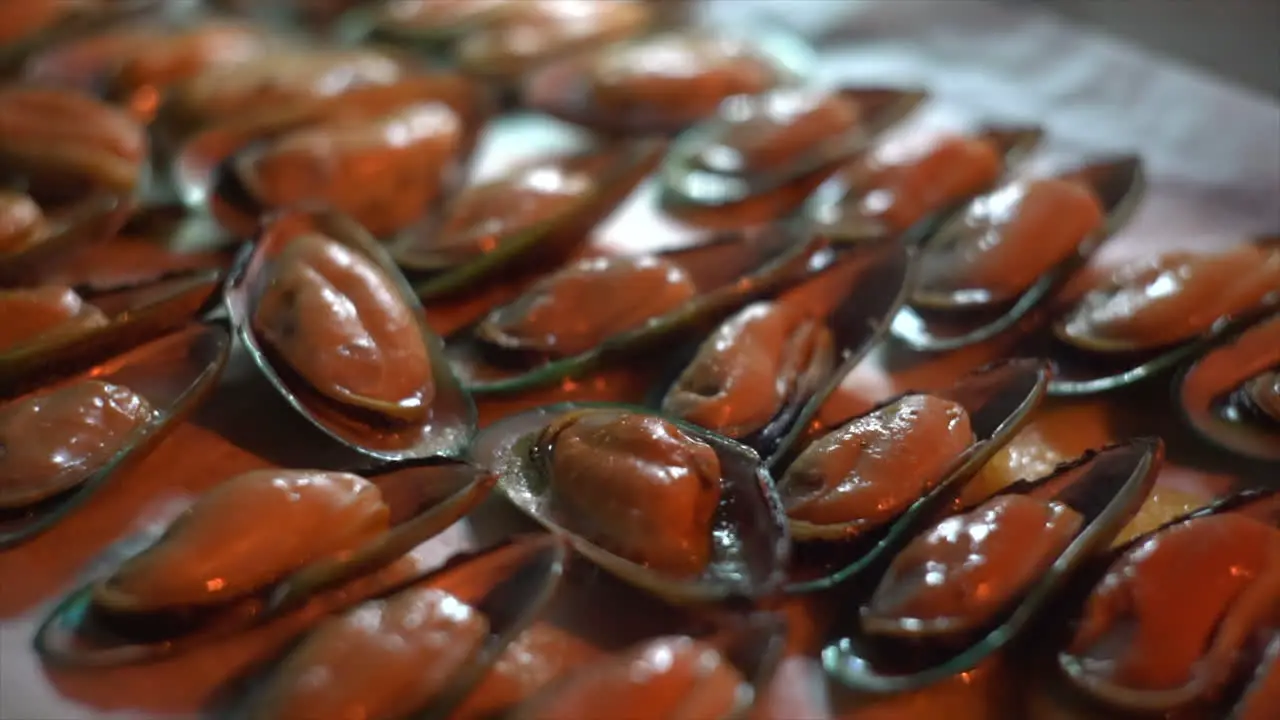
column 509, row 359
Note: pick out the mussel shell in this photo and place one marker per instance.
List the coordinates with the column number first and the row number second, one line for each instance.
column 562, row 89
column 688, row 188
column 94, row 218
column 371, row 24
column 615, row 172
column 730, row 270
column 425, row 498
column 1203, row 391
column 750, row 544
column 451, row 417
column 174, row 374
column 940, row 322
column 999, row 400
column 509, row 583
column 14, row 54
column 137, row 313
column 1262, row 505
column 1106, row 486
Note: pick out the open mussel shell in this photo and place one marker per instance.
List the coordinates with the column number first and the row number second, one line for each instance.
column 136, row 314
column 837, row 192
column 753, row 646
column 607, row 177
column 203, row 169
column 427, row 27
column 1216, row 396
column 999, row 400
column 173, row 374
column 68, row 24
column 688, row 186
column 1105, row 486
column 563, row 89
column 509, row 584
column 749, row 547
column 940, row 321
column 856, row 297
column 1262, row 505
column 424, row 498
column 93, row 218
column 729, row 271
column 450, row 419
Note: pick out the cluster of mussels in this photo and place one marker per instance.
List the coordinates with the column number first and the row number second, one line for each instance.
column 178, row 177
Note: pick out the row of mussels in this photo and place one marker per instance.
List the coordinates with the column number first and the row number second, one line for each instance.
column 347, row 166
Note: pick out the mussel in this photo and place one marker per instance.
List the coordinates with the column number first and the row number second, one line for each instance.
column 540, row 211
column 899, row 183
column 664, row 82
column 29, row 26
column 1262, row 695
column 60, row 444
column 857, row 487
column 761, row 155
column 300, row 536
column 1006, row 252
column 968, row 585
column 329, row 320
column 1231, row 395
column 1151, row 314
column 674, row 509
column 48, row 332
column 421, row 649
column 621, row 305
column 1133, row 650
column 769, row 366
column 430, row 25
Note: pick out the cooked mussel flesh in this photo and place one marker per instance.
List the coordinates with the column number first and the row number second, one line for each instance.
column 767, row 355
column 579, row 306
column 1136, row 649
column 39, row 315
column 243, row 535
column 22, row 222
column 1171, row 298
column 62, row 143
column 337, row 321
column 673, row 677
column 869, row 470
column 634, row 484
column 966, row 570
column 383, row 171
column 53, row 441
column 382, row 659
column 1012, row 237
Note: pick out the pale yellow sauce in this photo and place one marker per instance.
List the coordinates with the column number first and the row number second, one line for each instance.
column 245, row 534
column 637, row 486
column 22, row 223
column 341, row 324
column 45, row 314
column 380, row 661
column 749, row 367
column 55, row 440
column 868, row 471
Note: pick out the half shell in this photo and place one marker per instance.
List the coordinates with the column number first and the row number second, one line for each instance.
column 422, row 499
column 1105, row 488
column 172, row 375
column 443, row 426
column 747, row 542
column 949, row 310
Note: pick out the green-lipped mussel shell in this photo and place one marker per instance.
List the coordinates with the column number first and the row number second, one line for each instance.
column 89, row 220
column 749, row 546
column 425, row 498
column 613, row 173
column 861, row 292
column 510, row 583
column 1262, row 505
column 173, row 374
column 729, row 271
column 1208, row 392
column 688, row 187
column 136, row 314
column 1105, row 486
column 374, row 23
column 451, row 415
column 999, row 400
column 562, row 89
column 940, row 322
